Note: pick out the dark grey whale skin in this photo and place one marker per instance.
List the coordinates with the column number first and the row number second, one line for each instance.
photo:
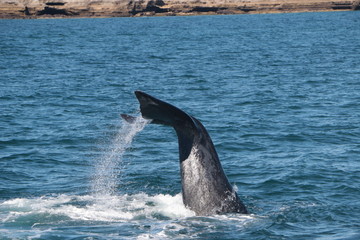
column 205, row 187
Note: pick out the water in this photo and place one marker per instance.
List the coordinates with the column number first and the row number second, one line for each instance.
column 278, row 93
column 108, row 168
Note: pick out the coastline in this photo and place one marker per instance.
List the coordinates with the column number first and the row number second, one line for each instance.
column 27, row 9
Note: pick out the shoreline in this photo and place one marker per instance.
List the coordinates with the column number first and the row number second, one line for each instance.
column 45, row 9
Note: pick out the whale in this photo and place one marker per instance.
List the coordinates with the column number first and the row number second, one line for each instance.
column 205, row 188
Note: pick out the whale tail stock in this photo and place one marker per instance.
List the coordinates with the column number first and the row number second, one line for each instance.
column 211, row 185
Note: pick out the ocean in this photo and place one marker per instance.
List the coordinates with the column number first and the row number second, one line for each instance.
column 278, row 93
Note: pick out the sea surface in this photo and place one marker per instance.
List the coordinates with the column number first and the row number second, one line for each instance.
column 279, row 94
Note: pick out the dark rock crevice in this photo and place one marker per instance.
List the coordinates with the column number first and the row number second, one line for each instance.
column 246, row 9
column 342, row 5
column 53, row 11
column 155, row 6
column 207, row 9
column 55, row 3
column 26, row 11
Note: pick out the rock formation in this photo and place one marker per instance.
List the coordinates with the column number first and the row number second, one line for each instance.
column 127, row 8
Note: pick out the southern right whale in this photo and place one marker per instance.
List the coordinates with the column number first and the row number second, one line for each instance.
column 205, row 187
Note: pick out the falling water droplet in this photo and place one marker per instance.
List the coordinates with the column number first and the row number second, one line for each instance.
column 107, row 169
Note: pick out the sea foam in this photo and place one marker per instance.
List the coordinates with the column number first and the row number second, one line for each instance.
column 108, row 208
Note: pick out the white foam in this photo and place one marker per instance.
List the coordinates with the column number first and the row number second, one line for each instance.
column 171, row 206
column 159, row 216
column 109, row 208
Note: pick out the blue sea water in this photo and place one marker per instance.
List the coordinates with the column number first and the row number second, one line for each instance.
column 278, row 93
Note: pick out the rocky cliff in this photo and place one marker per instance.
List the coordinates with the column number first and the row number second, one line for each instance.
column 122, row 8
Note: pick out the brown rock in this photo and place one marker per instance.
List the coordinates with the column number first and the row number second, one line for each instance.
column 118, row 8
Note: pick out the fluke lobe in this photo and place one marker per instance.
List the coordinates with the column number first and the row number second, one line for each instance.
column 205, row 187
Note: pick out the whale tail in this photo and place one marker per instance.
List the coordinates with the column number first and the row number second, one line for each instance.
column 160, row 112
column 202, row 175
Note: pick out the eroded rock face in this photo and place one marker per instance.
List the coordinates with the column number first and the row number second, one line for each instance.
column 118, row 8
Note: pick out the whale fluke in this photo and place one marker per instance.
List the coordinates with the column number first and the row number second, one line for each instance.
column 205, row 187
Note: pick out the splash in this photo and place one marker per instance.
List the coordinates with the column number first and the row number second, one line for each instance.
column 115, row 208
column 108, row 167
column 137, row 216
